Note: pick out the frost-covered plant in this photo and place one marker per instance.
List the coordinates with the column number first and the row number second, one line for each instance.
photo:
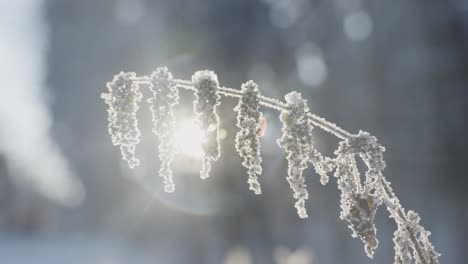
column 165, row 97
column 359, row 200
column 410, row 230
column 249, row 120
column 296, row 142
column 358, row 204
column 207, row 98
column 371, row 152
column 123, row 98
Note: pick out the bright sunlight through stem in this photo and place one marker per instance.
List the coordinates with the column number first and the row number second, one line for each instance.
column 189, row 138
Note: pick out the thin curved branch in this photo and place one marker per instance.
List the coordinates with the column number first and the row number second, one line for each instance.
column 265, row 101
column 391, row 201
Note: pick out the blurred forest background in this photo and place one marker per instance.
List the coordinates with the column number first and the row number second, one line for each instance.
column 397, row 69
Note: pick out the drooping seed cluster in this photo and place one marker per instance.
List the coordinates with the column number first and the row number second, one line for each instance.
column 296, row 140
column 358, row 203
column 249, row 120
column 359, row 200
column 122, row 98
column 207, row 99
column 165, row 97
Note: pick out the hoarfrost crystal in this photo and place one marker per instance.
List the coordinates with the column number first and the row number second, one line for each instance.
column 371, row 152
column 165, row 97
column 248, row 138
column 123, row 98
column 207, row 98
column 296, row 142
column 410, row 235
column 358, row 204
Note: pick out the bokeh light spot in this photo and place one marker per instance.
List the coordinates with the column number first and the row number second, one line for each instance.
column 358, row 26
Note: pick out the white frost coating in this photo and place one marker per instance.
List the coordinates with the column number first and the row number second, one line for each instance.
column 296, row 142
column 207, row 98
column 293, row 98
column 402, row 246
column 408, row 233
column 371, row 153
column 359, row 201
column 165, row 97
column 358, row 204
column 322, row 165
column 122, row 99
column 248, row 138
column 422, row 236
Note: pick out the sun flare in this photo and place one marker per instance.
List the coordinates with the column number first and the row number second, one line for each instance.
column 189, row 138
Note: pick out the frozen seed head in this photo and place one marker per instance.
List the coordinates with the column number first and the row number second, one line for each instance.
column 294, row 98
column 296, row 142
column 122, row 98
column 205, row 78
column 250, row 87
column 207, row 98
column 165, row 96
column 249, row 120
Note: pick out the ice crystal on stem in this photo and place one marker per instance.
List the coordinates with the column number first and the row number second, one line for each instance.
column 248, row 138
column 428, row 252
column 207, row 98
column 165, row 97
column 123, row 98
column 402, row 247
column 322, row 165
column 411, row 237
